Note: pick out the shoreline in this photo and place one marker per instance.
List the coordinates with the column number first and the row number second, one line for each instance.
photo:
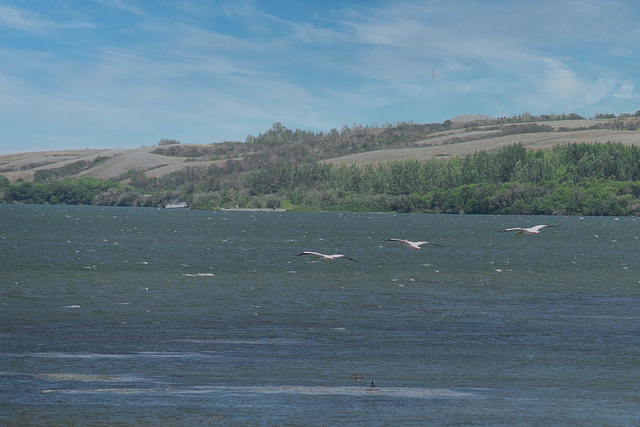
column 253, row 210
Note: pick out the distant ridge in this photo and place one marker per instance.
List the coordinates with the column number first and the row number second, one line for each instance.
column 466, row 118
column 457, row 141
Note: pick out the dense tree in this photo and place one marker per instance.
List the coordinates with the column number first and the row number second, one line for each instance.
column 4, row 183
column 76, row 192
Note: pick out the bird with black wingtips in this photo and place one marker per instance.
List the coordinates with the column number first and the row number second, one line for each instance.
column 530, row 231
column 326, row 257
column 412, row 245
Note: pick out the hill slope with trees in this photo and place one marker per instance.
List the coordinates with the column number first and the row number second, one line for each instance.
column 482, row 167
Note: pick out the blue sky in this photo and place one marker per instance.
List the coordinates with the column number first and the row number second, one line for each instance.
column 126, row 73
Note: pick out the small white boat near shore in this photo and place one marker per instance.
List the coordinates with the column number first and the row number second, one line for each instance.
column 176, row 205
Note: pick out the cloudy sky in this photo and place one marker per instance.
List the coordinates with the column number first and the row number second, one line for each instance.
column 126, row 73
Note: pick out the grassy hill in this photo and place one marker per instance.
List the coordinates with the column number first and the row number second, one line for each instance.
column 102, row 164
column 465, row 135
column 486, row 138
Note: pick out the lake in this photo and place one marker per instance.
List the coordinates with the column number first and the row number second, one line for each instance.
column 141, row 316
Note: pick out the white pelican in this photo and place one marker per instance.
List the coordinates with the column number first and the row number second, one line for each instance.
column 528, row 231
column 326, row 257
column 413, row 245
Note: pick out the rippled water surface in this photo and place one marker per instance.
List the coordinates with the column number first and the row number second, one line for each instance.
column 126, row 316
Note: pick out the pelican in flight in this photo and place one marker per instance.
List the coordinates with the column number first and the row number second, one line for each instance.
column 528, row 231
column 412, row 245
column 326, row 257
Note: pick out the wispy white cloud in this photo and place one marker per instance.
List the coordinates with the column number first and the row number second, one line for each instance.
column 123, row 5
column 21, row 19
column 525, row 43
column 626, row 90
column 26, row 20
column 207, row 71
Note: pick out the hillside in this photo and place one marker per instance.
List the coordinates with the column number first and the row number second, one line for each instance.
column 456, row 143
column 113, row 164
column 499, row 166
column 464, row 137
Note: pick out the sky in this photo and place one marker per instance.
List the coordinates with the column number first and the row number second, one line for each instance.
column 127, row 73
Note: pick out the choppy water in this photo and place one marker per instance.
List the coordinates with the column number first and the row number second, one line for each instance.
column 126, row 316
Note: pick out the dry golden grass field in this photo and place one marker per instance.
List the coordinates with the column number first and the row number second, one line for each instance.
column 454, row 144
column 23, row 165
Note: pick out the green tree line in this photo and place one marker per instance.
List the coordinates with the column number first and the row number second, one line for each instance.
column 82, row 191
column 585, row 179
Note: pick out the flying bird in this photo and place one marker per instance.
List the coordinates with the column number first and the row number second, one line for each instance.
column 326, row 257
column 413, row 245
column 528, row 231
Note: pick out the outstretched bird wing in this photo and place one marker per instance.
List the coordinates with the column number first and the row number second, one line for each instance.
column 396, row 240
column 427, row 243
column 540, row 227
column 344, row 256
column 311, row 253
